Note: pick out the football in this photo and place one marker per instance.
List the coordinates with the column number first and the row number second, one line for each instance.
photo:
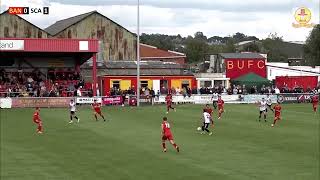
column 199, row 128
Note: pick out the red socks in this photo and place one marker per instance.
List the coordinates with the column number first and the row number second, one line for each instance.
column 175, row 145
column 39, row 129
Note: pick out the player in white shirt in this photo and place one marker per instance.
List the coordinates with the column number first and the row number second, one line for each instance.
column 206, row 122
column 269, row 103
column 73, row 110
column 263, row 109
column 214, row 99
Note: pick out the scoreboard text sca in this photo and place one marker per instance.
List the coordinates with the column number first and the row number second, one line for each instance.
column 28, row 10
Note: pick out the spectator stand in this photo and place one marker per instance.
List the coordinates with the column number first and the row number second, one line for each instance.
column 45, row 67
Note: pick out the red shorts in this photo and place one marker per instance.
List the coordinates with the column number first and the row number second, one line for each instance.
column 98, row 111
column 167, row 137
column 221, row 109
column 169, row 104
column 277, row 117
column 315, row 105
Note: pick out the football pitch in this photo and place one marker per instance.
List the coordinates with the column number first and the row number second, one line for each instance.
column 129, row 147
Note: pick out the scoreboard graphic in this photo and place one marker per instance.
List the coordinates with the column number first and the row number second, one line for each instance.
column 28, row 10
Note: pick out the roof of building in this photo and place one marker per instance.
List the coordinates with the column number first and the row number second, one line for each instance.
column 63, row 24
column 147, row 52
column 143, row 65
column 129, row 68
column 241, row 56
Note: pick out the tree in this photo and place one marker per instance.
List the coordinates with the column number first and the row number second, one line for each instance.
column 251, row 47
column 312, row 46
column 199, row 35
column 272, row 46
column 238, row 37
column 196, row 49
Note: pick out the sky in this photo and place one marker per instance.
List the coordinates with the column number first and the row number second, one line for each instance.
column 185, row 17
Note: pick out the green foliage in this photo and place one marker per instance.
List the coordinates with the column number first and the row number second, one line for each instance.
column 196, row 48
column 271, row 46
column 312, row 46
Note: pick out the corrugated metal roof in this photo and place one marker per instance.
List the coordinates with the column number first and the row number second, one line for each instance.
column 61, row 25
column 241, row 56
column 147, row 51
column 143, row 65
column 65, row 23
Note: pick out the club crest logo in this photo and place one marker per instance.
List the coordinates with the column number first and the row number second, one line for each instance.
column 303, row 17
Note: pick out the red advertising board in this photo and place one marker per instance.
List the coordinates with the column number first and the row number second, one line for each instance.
column 109, row 100
column 297, row 81
column 238, row 67
column 40, row 102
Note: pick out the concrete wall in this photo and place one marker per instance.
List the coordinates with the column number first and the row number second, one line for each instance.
column 117, row 42
column 13, row 26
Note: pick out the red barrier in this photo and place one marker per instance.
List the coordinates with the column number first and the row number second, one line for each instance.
column 40, row 102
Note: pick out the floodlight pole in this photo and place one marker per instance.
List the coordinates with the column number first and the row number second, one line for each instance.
column 138, row 53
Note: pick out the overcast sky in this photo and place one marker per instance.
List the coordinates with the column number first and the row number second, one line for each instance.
column 185, row 17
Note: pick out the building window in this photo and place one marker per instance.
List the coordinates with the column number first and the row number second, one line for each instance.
column 116, row 84
column 185, row 83
column 218, row 82
column 205, row 83
column 144, row 84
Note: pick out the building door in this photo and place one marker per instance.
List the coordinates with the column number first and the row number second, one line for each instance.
column 185, row 83
column 163, row 86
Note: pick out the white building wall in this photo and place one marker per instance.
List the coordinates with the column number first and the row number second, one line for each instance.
column 283, row 69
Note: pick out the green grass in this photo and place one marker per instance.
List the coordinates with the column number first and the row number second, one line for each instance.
column 129, row 147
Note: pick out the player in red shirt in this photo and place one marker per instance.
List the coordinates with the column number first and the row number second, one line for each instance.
column 220, row 107
column 208, row 109
column 167, row 135
column 169, row 103
column 277, row 113
column 37, row 120
column 315, row 101
column 97, row 110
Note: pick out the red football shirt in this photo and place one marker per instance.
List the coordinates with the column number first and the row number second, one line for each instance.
column 168, row 99
column 166, row 128
column 96, row 106
column 209, row 110
column 36, row 116
column 315, row 100
column 277, row 110
column 220, row 103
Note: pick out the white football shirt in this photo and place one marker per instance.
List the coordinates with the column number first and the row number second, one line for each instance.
column 263, row 105
column 215, row 97
column 207, row 117
column 269, row 101
column 72, row 106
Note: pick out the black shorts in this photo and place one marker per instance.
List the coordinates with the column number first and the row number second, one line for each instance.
column 264, row 111
column 206, row 125
column 72, row 112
